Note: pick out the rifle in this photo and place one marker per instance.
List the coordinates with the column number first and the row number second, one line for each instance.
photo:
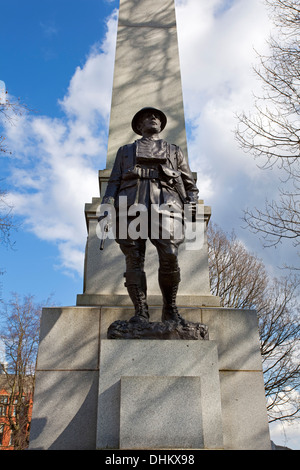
column 105, row 230
column 102, row 241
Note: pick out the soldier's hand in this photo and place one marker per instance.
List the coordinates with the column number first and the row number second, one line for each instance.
column 192, row 210
column 106, row 217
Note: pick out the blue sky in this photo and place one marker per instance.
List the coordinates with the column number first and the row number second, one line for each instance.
column 57, row 56
column 41, row 45
column 42, row 42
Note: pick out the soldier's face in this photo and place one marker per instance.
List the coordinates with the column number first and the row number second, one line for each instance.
column 149, row 123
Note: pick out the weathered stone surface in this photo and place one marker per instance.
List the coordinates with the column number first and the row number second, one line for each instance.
column 141, row 385
column 157, row 330
column 162, row 412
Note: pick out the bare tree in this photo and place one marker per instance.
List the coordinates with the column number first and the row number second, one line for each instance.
column 236, row 276
column 241, row 280
column 7, row 223
column 279, row 326
column 20, row 334
column 272, row 132
column 10, row 109
column 6, row 219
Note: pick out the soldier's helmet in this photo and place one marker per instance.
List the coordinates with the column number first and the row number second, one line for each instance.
column 136, row 117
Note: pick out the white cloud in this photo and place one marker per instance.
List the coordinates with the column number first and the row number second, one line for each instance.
column 86, row 95
column 49, row 28
column 216, row 58
column 216, row 50
column 217, row 43
column 286, row 434
column 55, row 163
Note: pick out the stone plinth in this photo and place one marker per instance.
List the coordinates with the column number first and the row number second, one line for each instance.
column 161, row 412
column 67, row 376
column 158, row 416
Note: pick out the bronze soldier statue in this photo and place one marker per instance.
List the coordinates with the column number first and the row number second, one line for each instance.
column 151, row 172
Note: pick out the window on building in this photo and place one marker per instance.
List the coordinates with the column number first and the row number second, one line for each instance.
column 11, row 438
column 3, row 404
column 1, row 433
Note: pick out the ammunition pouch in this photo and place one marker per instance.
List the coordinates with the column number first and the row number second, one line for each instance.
column 169, row 172
column 174, row 179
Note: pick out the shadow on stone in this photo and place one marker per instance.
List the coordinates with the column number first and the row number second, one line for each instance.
column 157, row 330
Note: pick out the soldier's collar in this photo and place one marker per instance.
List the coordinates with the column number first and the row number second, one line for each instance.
column 152, row 138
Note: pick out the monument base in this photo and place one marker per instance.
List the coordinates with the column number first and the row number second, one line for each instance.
column 79, row 371
column 157, row 330
column 159, row 395
column 117, row 300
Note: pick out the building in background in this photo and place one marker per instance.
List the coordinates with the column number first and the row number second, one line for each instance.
column 15, row 414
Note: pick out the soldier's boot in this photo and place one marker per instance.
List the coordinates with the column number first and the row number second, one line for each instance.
column 168, row 283
column 137, row 290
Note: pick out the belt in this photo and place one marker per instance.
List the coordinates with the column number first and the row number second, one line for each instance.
column 147, row 173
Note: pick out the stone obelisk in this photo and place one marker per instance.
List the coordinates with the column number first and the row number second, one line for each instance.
column 147, row 71
column 97, row 393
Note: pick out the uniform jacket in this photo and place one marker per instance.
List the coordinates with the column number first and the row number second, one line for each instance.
column 173, row 171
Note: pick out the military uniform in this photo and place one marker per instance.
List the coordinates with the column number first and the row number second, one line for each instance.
column 152, row 172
